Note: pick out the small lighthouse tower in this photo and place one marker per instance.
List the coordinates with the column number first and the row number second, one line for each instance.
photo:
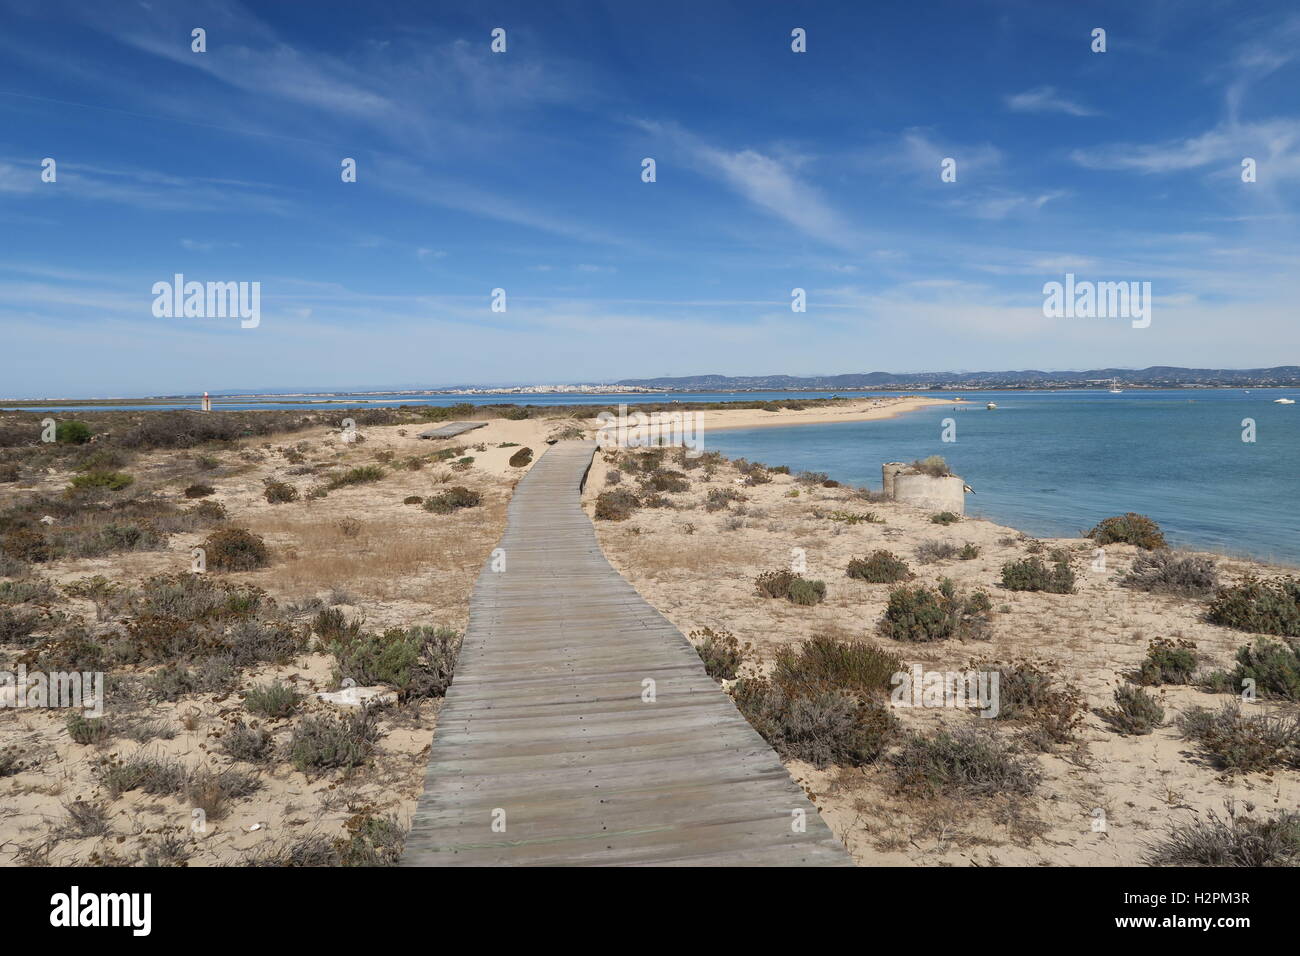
column 207, row 402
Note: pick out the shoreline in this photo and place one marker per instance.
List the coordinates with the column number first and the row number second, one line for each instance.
column 867, row 410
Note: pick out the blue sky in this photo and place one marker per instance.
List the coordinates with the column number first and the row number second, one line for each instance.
column 522, row 171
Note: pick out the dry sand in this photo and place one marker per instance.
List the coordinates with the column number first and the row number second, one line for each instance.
column 363, row 550
column 698, row 569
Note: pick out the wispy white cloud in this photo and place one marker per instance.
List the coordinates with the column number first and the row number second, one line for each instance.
column 1046, row 99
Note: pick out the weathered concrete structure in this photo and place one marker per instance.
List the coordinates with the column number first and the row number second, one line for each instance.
column 947, row 493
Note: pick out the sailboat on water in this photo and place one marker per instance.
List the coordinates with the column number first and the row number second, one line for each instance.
column 1114, row 387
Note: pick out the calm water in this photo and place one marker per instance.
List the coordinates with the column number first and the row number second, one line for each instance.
column 501, row 398
column 1053, row 463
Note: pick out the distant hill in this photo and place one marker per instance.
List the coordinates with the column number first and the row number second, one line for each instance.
column 1164, row 376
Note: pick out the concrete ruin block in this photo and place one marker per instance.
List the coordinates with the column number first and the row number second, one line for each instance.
column 933, row 494
column 947, row 493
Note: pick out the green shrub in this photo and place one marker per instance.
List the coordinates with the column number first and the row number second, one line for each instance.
column 969, row 552
column 87, row 730
column 273, row 700
column 1130, row 528
column 111, row 480
column 1135, row 712
column 1273, row 666
column 453, row 499
column 355, row 476
column 1167, row 572
column 879, row 567
column 1237, row 841
column 1030, row 574
column 805, row 592
column 820, row 725
column 1262, row 607
column 72, row 433
column 945, row 517
column 280, row 492
column 235, row 549
column 823, row 661
column 417, row 661
column 963, row 763
column 720, row 651
column 521, row 458
column 1168, row 663
column 1239, row 743
column 327, row 742
column 331, row 624
column 922, row 614
column 253, row 744
column 616, row 505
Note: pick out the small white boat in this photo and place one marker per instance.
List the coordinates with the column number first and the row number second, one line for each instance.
column 1114, row 387
column 991, row 405
column 1284, row 401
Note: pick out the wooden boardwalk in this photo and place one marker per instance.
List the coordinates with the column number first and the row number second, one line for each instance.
column 546, row 752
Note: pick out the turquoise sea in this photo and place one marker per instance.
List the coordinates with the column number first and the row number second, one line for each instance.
column 1053, row 463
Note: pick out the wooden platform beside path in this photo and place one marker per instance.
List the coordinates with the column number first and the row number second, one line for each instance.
column 548, row 750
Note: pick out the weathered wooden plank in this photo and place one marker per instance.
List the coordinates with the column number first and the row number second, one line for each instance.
column 549, row 729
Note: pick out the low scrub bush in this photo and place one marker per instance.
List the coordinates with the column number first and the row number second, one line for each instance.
column 1236, row 742
column 1130, row 528
column 199, row 491
column 1274, row 666
column 934, row 466
column 1031, row 574
column 663, row 480
column 279, row 492
column 821, row 725
column 928, row 552
column 1028, row 693
column 242, row 742
column 1135, row 712
column 616, row 505
column 1168, row 572
column 1236, row 841
column 923, row 614
column 360, row 475
column 88, row 730
column 235, row 549
column 806, row 592
column 880, row 567
column 1259, row 606
column 453, row 499
column 274, row 700
column 719, row 498
column 109, row 480
column 857, row 666
column 967, row 762
column 1168, row 662
column 521, row 458
column 720, row 651
column 945, row 517
column 417, row 661
column 326, row 742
